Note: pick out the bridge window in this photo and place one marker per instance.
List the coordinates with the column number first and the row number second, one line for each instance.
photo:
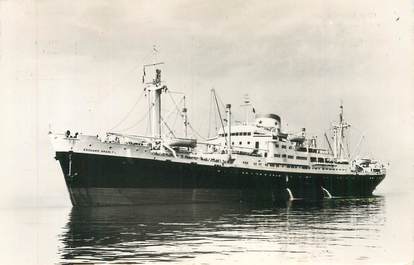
column 290, row 157
column 276, row 155
column 301, row 158
column 257, row 145
column 313, row 159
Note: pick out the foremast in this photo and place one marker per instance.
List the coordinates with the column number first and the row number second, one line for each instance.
column 154, row 89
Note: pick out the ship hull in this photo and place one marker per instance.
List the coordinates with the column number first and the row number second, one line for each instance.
column 104, row 180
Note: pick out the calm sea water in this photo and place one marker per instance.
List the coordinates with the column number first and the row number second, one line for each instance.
column 377, row 230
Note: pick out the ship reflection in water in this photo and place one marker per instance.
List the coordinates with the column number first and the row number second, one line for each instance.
column 298, row 232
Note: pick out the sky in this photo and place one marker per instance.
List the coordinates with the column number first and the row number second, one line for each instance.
column 77, row 65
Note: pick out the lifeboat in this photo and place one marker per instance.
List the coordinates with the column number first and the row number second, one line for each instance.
column 182, row 142
column 298, row 139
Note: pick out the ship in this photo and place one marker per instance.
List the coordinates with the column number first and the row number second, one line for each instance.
column 250, row 161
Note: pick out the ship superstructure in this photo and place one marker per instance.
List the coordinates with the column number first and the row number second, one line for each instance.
column 249, row 161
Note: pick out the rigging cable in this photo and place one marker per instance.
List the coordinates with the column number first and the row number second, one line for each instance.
column 234, row 115
column 129, row 112
column 172, row 99
column 197, row 133
column 178, row 108
column 329, row 144
column 139, row 121
column 166, row 125
column 347, row 147
column 209, row 116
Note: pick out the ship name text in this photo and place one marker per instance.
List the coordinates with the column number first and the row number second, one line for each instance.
column 98, row 151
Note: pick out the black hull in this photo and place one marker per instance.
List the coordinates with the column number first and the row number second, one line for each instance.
column 100, row 180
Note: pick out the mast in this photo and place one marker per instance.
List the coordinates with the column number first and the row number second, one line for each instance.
column 155, row 90
column 227, row 135
column 339, row 135
column 247, row 107
column 155, row 101
column 185, row 118
column 228, row 111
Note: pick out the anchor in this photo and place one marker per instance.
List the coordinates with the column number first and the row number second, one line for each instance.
column 70, row 175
